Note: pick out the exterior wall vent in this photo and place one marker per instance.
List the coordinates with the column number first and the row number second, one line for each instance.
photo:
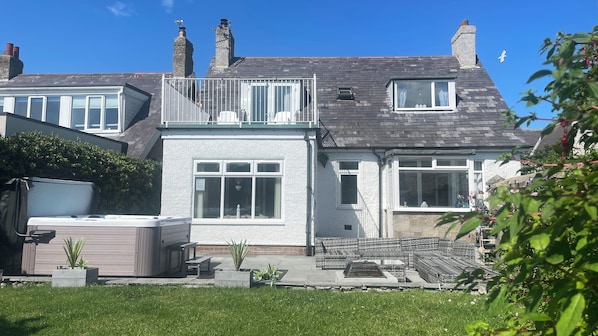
column 345, row 93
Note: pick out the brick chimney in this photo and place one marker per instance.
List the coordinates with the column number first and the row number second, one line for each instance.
column 10, row 64
column 225, row 45
column 463, row 45
column 182, row 60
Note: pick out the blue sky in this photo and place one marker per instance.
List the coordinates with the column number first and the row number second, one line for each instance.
column 86, row 36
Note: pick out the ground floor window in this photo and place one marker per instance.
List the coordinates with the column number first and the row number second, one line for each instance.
column 237, row 189
column 348, row 173
column 437, row 182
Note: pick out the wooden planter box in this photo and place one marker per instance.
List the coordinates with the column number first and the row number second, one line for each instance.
column 74, row 277
column 232, row 278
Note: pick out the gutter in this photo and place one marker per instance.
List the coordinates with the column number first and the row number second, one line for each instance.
column 423, row 151
column 309, row 194
column 381, row 162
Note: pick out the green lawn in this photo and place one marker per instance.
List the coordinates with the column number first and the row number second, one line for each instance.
column 169, row 310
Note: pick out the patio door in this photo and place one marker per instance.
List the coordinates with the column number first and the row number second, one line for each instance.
column 262, row 100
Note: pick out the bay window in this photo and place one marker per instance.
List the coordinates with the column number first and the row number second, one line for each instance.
column 435, row 182
column 237, row 189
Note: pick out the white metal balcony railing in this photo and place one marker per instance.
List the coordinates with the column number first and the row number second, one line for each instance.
column 228, row 101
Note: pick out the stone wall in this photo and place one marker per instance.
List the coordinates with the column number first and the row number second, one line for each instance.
column 422, row 224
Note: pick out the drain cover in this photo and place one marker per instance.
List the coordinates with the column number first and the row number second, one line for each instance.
column 363, row 269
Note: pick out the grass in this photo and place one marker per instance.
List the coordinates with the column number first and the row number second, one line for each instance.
column 169, row 310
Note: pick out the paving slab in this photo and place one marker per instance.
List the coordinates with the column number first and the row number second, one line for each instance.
column 299, row 271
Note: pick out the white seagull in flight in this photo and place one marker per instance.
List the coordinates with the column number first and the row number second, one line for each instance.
column 502, row 56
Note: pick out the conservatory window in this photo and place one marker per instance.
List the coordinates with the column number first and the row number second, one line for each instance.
column 432, row 182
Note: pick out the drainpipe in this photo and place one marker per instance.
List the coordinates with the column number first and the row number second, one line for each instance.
column 380, row 202
column 309, row 192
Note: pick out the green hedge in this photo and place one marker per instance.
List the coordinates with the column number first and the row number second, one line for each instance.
column 127, row 185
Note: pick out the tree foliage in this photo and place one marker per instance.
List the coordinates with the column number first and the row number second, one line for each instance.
column 548, row 269
column 127, row 185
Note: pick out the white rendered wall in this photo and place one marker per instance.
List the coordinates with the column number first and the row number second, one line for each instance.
column 492, row 167
column 177, row 184
column 331, row 218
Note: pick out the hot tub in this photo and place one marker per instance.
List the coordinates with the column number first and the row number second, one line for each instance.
column 119, row 245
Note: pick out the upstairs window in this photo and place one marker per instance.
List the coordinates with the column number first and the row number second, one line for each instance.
column 94, row 112
column 268, row 102
column 21, row 106
column 39, row 108
column 423, row 95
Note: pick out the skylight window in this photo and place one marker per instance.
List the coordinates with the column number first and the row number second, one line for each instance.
column 345, row 93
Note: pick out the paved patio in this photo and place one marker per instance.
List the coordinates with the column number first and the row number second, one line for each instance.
column 300, row 271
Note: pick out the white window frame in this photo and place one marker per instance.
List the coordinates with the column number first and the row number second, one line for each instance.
column 433, row 167
column 398, row 97
column 44, row 106
column 253, row 174
column 478, row 193
column 347, row 172
column 271, row 102
column 102, row 126
column 65, row 108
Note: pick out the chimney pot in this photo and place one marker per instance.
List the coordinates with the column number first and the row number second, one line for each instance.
column 9, row 49
column 15, row 52
column 464, row 23
column 223, row 23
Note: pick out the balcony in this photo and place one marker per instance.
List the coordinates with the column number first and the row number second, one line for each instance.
column 235, row 102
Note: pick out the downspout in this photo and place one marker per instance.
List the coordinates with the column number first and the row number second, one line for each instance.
column 309, row 192
column 380, row 194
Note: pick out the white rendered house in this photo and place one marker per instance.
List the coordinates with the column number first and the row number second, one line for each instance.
column 279, row 150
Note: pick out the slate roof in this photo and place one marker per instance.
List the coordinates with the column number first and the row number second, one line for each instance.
column 532, row 136
column 368, row 122
column 142, row 134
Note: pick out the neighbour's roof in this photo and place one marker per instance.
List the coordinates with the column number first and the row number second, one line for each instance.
column 368, row 122
column 550, row 139
column 141, row 135
column 532, row 135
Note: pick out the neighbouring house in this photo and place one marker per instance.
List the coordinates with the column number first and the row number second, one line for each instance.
column 118, row 111
column 555, row 137
column 280, row 150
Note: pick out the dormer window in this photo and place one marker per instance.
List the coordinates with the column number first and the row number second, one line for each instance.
column 423, row 95
column 345, row 93
column 95, row 112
